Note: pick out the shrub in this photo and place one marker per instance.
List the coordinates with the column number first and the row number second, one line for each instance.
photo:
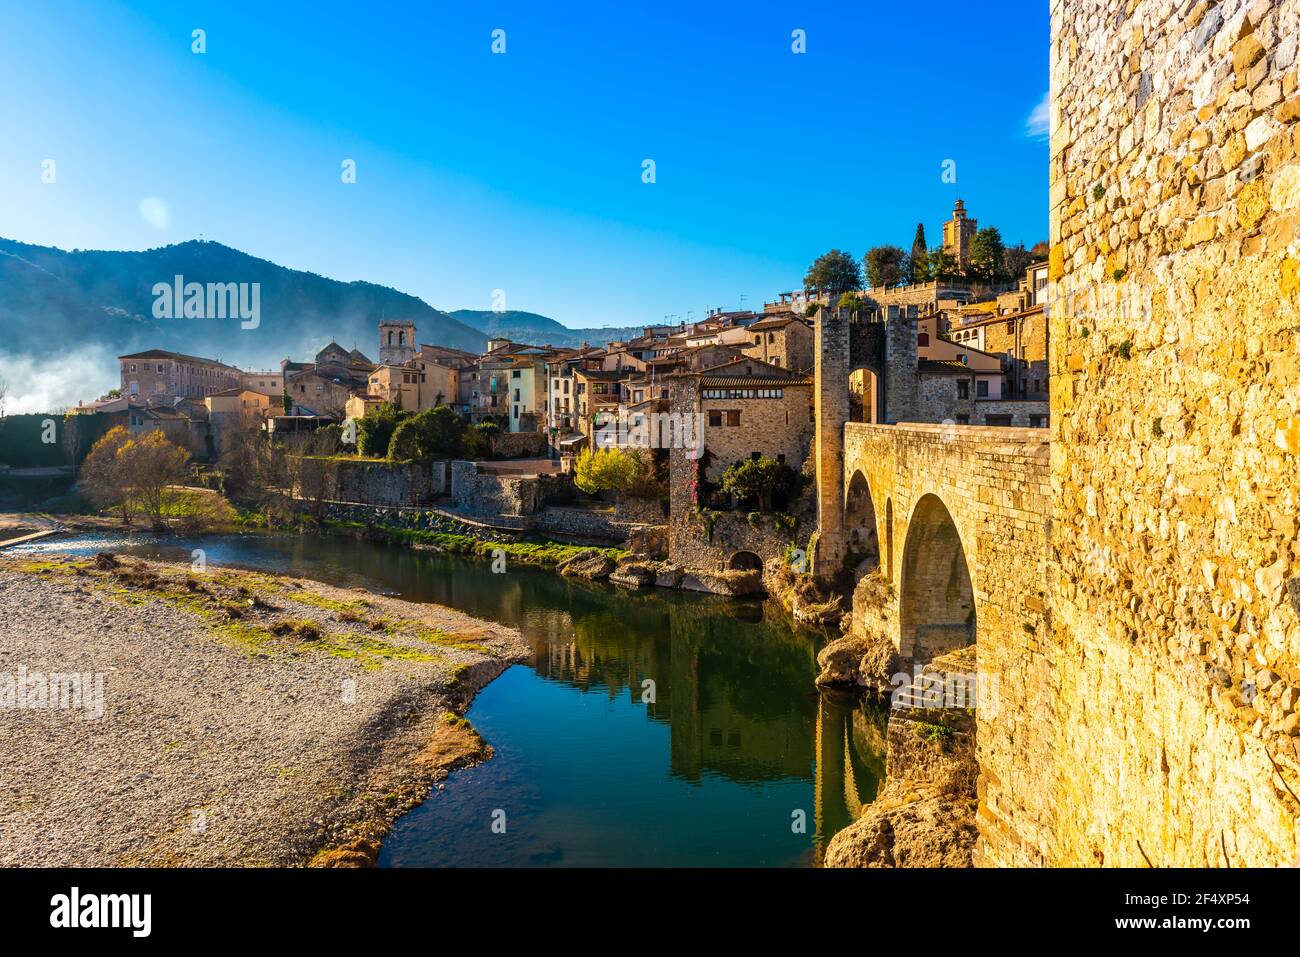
column 762, row 480
column 375, row 429
column 608, row 469
column 433, row 433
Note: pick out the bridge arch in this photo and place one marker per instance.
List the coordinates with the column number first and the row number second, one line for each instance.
column 862, row 536
column 744, row 562
column 936, row 612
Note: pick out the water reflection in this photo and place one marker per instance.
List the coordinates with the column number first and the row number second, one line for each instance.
column 649, row 727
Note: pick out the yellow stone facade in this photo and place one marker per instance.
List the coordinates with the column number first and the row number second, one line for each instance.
column 1175, row 416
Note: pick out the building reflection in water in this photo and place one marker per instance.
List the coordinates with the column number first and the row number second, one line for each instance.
column 734, row 683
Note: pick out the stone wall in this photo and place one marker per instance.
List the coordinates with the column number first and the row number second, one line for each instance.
column 694, row 546
column 478, row 492
column 519, row 445
column 1175, row 229
column 1024, row 414
column 382, row 483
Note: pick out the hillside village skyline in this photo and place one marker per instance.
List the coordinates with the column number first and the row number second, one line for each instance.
column 28, row 384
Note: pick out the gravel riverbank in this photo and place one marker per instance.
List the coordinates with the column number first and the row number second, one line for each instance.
column 247, row 719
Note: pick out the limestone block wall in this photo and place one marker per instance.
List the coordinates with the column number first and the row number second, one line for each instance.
column 382, row 483
column 692, row 545
column 479, row 492
column 1175, row 393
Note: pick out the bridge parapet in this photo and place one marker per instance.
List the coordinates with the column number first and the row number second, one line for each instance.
column 959, row 517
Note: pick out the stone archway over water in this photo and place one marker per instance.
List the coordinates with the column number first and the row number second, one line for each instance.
column 937, row 603
column 862, row 538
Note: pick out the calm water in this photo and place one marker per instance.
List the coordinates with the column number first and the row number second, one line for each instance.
column 717, row 766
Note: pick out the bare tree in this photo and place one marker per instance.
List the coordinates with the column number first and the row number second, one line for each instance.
column 103, row 474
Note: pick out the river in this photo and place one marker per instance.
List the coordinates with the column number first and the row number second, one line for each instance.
column 647, row 728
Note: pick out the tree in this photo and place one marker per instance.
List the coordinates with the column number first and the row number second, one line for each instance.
column 476, row 441
column 942, row 264
column 607, row 469
column 1015, row 260
column 920, row 256
column 1040, row 252
column 834, row 273
column 131, row 472
column 986, row 254
column 310, row 470
column 886, row 266
column 152, row 464
column 375, row 430
column 103, row 475
column 433, row 433
column 762, row 480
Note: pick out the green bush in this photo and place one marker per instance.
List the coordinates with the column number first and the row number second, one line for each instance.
column 375, row 430
column 762, row 480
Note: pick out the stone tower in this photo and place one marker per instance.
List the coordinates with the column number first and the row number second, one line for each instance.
column 831, row 389
column 396, row 341
column 957, row 234
column 900, row 386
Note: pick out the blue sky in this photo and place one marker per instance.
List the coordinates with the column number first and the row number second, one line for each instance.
column 523, row 171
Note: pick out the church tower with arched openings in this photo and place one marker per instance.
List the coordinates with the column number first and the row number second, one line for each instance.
column 396, row 341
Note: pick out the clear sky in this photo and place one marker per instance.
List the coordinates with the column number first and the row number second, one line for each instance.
column 522, row 171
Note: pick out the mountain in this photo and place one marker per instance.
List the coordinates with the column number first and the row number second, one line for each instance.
column 52, row 301
column 538, row 330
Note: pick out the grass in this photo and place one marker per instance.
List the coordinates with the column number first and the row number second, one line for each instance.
column 531, row 553
column 934, row 732
column 210, row 600
column 351, row 606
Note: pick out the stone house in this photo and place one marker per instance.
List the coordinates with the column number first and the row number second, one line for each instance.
column 748, row 409
column 160, row 374
column 782, row 339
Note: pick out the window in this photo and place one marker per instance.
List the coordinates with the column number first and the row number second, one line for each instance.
column 1035, row 421
column 923, row 339
column 715, row 419
column 982, row 388
column 515, row 374
column 999, row 420
column 733, row 417
column 963, row 420
column 963, row 389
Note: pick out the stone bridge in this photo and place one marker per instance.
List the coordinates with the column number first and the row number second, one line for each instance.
column 957, row 520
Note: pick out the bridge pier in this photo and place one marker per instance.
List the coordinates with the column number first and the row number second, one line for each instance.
column 832, row 411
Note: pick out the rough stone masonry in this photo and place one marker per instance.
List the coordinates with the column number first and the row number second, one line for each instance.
column 1175, row 324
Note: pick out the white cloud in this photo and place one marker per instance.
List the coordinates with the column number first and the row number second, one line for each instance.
column 1039, row 124
column 53, row 383
column 155, row 212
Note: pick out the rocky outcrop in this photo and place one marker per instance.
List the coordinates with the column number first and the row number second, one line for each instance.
column 936, row 830
column 635, row 574
column 591, row 565
column 669, row 575
column 734, row 583
column 925, row 814
column 839, row 662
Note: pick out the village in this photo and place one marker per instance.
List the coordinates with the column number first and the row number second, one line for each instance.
column 690, row 443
